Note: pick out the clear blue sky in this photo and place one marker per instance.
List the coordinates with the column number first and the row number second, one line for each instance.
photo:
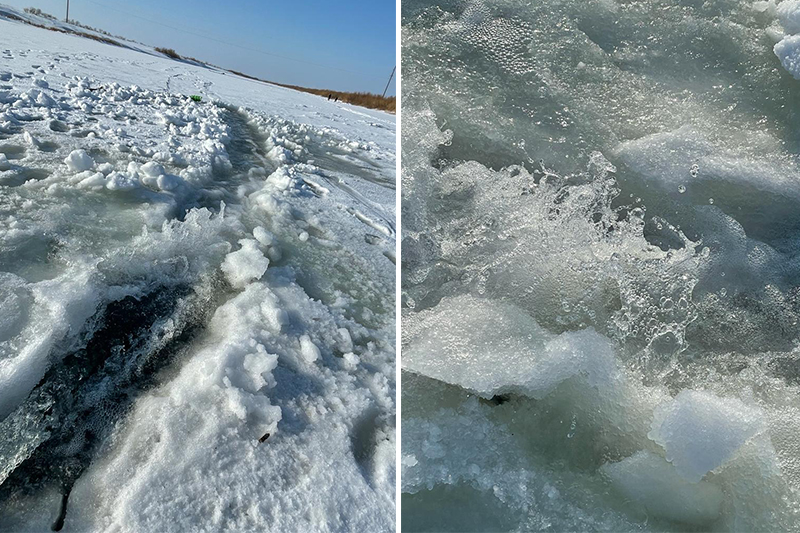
column 333, row 44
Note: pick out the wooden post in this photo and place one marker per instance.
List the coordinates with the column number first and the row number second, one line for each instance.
column 387, row 83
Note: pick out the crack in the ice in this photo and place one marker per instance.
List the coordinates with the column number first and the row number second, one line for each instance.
column 59, row 429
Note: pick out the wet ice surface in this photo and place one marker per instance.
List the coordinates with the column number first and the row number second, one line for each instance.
column 601, row 285
column 197, row 299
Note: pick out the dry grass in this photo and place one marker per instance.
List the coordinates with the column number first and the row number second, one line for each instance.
column 12, row 16
column 169, row 52
column 101, row 38
column 33, row 11
column 39, row 12
column 373, row 101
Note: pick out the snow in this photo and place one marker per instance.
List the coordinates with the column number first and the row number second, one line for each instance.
column 219, row 258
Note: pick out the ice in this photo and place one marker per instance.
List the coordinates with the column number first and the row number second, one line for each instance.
column 463, row 339
column 263, row 236
column 152, row 169
column 119, row 181
column 625, row 195
column 788, row 51
column 245, row 265
column 95, row 180
column 197, row 439
column 58, row 308
column 651, row 481
column 701, row 432
column 79, row 161
column 764, row 6
column 309, row 350
column 788, row 47
column 788, row 12
column 584, row 353
column 15, row 300
column 168, row 182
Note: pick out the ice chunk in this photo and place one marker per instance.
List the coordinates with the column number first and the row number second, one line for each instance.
column 79, row 161
column 105, row 168
column 280, row 179
column 120, row 181
column 94, row 181
column 765, row 6
column 346, row 341
column 308, row 349
column 491, row 347
column 585, row 353
column 788, row 51
column 789, row 15
column 45, row 100
column 152, row 169
column 168, row 182
column 479, row 344
column 700, row 431
column 4, row 164
column 244, row 265
column 30, row 139
column 263, row 236
column 275, row 316
column 651, row 481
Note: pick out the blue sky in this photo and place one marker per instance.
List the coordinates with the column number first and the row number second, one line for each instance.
column 340, row 44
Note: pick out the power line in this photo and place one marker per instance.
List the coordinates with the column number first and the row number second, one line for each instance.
column 206, row 36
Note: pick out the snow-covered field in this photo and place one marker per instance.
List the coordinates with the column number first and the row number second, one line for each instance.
column 197, row 327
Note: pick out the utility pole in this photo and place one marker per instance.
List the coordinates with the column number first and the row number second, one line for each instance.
column 387, row 83
column 67, row 21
